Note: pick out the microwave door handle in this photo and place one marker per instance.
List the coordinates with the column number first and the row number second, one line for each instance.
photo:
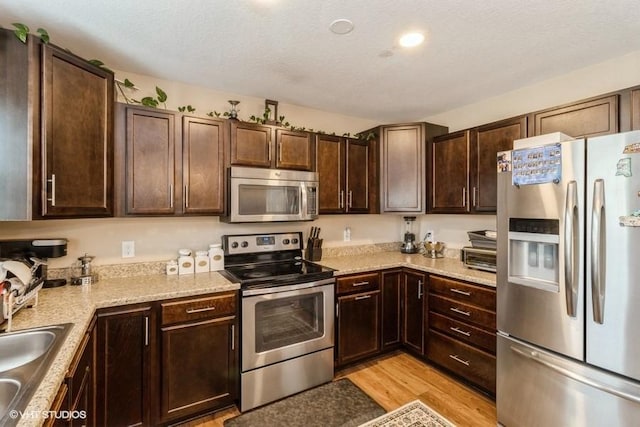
column 571, row 251
column 598, row 252
column 303, row 198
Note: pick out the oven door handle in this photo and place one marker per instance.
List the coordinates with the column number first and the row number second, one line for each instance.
column 285, row 288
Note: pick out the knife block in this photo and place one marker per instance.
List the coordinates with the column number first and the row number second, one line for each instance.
column 313, row 254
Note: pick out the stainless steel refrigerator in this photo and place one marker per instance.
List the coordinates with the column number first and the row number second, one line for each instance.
column 568, row 282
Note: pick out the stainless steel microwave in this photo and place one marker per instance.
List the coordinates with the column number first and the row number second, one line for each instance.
column 268, row 195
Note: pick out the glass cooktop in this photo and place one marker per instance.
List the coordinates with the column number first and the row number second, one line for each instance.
column 277, row 273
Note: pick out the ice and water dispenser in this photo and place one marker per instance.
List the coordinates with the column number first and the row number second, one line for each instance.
column 533, row 253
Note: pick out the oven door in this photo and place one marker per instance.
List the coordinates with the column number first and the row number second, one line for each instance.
column 284, row 322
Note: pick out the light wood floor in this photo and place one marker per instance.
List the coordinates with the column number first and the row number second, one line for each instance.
column 398, row 378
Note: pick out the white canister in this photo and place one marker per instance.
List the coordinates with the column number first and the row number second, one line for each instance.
column 202, row 262
column 172, row 267
column 216, row 257
column 186, row 264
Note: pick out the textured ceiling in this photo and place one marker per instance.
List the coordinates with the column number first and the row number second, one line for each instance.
column 283, row 49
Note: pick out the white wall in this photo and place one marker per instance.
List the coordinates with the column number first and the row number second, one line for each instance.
column 160, row 238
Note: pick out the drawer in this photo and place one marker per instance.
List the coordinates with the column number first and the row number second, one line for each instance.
column 465, row 312
column 463, row 331
column 358, row 283
column 464, row 292
column 470, row 363
column 187, row 310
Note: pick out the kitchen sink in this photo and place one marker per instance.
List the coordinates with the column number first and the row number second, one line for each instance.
column 25, row 357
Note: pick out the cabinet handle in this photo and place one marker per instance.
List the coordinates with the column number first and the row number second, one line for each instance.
column 233, row 337
column 341, row 200
column 475, row 191
column 337, row 310
column 464, row 197
column 457, row 310
column 420, row 289
column 200, row 310
column 457, row 359
column 350, row 199
column 363, row 297
column 460, row 331
column 146, row 331
column 186, row 196
column 279, row 150
column 53, row 189
column 458, row 291
column 171, row 196
column 360, row 283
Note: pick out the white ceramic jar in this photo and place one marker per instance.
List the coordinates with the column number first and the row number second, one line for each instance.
column 172, row 267
column 202, row 262
column 186, row 264
column 216, row 257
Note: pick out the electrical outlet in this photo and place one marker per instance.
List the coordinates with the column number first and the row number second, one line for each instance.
column 346, row 236
column 128, row 249
column 429, row 236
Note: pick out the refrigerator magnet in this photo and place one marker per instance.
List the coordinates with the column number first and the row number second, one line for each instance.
column 623, row 168
column 504, row 161
column 632, row 148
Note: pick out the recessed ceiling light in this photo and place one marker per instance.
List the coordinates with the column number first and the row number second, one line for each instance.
column 341, row 26
column 411, row 39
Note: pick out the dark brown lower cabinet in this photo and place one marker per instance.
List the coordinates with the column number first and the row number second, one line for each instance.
column 391, row 308
column 80, row 379
column 414, row 310
column 198, row 367
column 124, row 373
column 358, row 319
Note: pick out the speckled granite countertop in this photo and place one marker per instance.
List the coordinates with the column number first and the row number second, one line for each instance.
column 77, row 304
column 382, row 260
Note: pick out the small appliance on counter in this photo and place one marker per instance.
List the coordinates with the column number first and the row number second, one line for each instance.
column 433, row 249
column 409, row 245
column 481, row 255
column 85, row 277
column 23, row 272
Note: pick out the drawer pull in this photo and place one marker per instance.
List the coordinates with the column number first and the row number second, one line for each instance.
column 458, row 291
column 200, row 310
column 363, row 297
column 457, row 310
column 457, row 359
column 460, row 331
column 360, row 283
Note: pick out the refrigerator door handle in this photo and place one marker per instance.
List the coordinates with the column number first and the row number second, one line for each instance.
column 571, row 252
column 535, row 356
column 598, row 255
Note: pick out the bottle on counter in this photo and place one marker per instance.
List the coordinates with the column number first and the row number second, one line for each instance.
column 216, row 257
column 186, row 263
column 202, row 262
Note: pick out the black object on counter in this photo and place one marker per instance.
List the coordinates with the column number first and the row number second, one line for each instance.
column 54, row 283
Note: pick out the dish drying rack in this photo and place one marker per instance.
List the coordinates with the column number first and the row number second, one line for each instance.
column 15, row 302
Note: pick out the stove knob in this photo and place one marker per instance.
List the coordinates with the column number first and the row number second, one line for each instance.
column 244, row 244
column 286, row 242
column 294, row 241
column 234, row 245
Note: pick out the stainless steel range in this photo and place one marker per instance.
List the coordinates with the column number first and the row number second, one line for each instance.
column 287, row 316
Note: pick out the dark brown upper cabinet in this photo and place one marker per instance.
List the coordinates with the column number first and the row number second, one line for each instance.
column 450, row 173
column 168, row 163
column 57, row 124
column 266, row 146
column 592, row 117
column 343, row 166
column 489, row 140
column 400, row 152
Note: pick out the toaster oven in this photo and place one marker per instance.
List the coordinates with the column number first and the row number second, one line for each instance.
column 479, row 258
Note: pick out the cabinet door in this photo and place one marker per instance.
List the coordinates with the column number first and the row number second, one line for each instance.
column 450, row 173
column 199, row 367
column 489, row 140
column 150, row 162
column 250, row 144
column 414, row 311
column 202, row 165
column 330, row 152
column 584, row 119
column 124, row 340
column 358, row 326
column 77, row 136
column 294, row 150
column 357, row 184
column 402, row 169
column 391, row 303
column 80, row 380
